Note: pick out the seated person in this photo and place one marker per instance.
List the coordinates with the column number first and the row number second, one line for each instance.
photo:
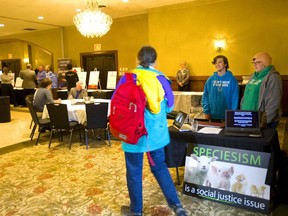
column 78, row 92
column 43, row 95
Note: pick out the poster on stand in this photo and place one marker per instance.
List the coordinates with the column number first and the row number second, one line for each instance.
column 82, row 77
column 18, row 83
column 111, row 79
column 93, row 80
column 229, row 176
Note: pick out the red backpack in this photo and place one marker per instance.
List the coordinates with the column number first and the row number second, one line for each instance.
column 127, row 111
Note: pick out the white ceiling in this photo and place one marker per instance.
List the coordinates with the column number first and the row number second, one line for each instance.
column 17, row 15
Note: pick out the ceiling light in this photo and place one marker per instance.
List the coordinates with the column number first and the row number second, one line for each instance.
column 2, row 25
column 92, row 22
column 40, row 17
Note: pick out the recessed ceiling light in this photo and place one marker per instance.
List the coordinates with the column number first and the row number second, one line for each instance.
column 78, row 10
column 2, row 25
column 40, row 17
column 125, row 1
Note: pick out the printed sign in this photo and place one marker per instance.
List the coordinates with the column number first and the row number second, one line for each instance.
column 93, row 79
column 111, row 79
column 62, row 63
column 82, row 77
column 229, row 176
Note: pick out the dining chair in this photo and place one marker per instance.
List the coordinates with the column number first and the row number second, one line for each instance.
column 29, row 98
column 41, row 123
column 58, row 114
column 96, row 115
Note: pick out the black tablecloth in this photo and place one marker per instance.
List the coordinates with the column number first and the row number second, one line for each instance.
column 176, row 150
column 20, row 96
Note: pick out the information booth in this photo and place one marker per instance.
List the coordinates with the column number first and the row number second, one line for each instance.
column 176, row 151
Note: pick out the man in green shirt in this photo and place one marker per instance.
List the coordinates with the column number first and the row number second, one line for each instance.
column 263, row 92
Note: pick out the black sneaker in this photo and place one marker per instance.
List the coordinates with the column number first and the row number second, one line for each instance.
column 179, row 210
column 125, row 211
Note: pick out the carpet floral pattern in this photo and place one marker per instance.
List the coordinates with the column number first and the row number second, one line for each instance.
column 58, row 181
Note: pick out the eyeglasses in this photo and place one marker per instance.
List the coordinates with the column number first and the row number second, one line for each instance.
column 256, row 62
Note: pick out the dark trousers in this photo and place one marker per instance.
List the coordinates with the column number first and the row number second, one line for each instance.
column 184, row 88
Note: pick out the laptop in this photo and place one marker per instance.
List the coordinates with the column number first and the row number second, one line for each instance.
column 245, row 123
column 181, row 122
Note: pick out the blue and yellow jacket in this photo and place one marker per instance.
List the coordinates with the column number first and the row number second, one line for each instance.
column 160, row 101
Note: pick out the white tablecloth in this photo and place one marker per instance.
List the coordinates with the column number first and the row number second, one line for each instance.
column 77, row 112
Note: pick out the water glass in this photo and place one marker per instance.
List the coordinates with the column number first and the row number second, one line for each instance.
column 194, row 126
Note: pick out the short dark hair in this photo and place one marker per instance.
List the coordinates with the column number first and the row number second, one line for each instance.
column 147, row 55
column 69, row 66
column 45, row 82
column 225, row 60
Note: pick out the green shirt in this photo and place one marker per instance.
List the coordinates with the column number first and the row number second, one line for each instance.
column 252, row 89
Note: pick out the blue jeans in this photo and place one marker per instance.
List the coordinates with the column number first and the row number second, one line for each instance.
column 134, row 168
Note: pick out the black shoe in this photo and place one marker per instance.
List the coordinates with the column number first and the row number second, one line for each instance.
column 125, row 211
column 179, row 210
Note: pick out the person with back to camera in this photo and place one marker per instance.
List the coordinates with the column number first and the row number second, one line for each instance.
column 183, row 77
column 71, row 77
column 29, row 80
column 78, row 92
column 160, row 100
column 263, row 92
column 221, row 91
column 43, row 95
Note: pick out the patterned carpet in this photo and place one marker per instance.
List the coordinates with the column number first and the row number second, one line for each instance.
column 36, row 180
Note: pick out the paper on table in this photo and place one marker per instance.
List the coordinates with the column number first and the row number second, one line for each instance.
column 210, row 130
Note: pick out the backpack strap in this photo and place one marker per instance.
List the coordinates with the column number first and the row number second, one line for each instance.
column 129, row 77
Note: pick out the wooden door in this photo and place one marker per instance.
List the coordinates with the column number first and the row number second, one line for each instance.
column 12, row 64
column 101, row 61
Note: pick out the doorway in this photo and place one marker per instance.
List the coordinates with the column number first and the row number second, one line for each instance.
column 102, row 61
column 13, row 65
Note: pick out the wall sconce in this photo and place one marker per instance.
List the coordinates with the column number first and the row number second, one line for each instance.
column 26, row 60
column 219, row 44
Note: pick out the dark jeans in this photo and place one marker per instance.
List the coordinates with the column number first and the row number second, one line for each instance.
column 134, row 168
column 184, row 88
column 273, row 124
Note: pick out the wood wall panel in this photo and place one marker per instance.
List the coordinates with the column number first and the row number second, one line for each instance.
column 197, row 84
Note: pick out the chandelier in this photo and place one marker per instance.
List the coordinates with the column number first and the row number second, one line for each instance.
column 92, row 22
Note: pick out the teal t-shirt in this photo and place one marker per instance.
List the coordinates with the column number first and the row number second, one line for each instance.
column 252, row 89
